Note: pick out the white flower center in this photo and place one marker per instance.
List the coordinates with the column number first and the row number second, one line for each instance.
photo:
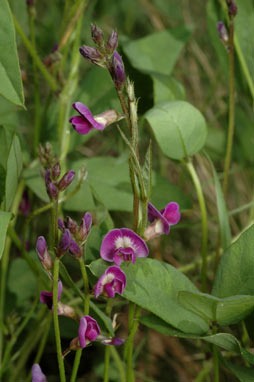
column 108, row 278
column 124, row 242
column 158, row 226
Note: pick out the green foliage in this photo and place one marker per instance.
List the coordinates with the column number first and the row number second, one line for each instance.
column 223, row 311
column 179, row 128
column 166, row 88
column 10, row 76
column 5, row 218
column 165, row 45
column 154, row 286
column 235, row 273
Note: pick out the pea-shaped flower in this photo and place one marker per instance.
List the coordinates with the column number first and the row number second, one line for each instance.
column 37, row 374
column 123, row 245
column 161, row 220
column 47, row 297
column 88, row 330
column 85, row 122
column 111, row 282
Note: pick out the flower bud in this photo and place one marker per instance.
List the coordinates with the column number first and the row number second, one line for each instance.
column 56, row 170
column 71, row 225
column 85, row 227
column 97, row 35
column 37, row 374
column 42, row 251
column 52, row 190
column 65, row 243
column 223, row 34
column 75, row 249
column 92, row 54
column 66, row 180
column 118, row 73
column 112, row 42
column 61, row 225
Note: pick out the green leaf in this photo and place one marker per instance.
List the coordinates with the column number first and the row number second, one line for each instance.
column 157, row 52
column 21, row 281
column 13, row 171
column 35, row 182
column 235, row 273
column 5, row 218
column 105, row 181
column 225, row 231
column 179, row 128
column 10, row 76
column 224, row 311
column 224, row 340
column 154, row 286
column 166, row 88
column 243, row 373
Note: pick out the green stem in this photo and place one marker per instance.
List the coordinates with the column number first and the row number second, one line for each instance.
column 5, row 262
column 56, row 322
column 86, row 312
column 37, row 120
column 54, row 222
column 216, row 361
column 130, row 377
column 106, row 363
column 118, row 363
column 231, row 120
column 203, row 211
column 51, row 81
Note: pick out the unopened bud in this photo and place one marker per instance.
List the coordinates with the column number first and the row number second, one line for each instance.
column 97, row 35
column 118, row 73
column 42, row 251
column 75, row 249
column 71, row 225
column 112, row 42
column 85, row 227
column 66, row 180
column 65, row 243
column 61, row 224
column 232, row 8
column 56, row 170
column 223, row 33
column 52, row 190
column 92, row 54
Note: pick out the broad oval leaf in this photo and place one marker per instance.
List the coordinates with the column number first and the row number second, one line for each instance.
column 10, row 76
column 235, row 273
column 154, row 286
column 179, row 128
column 224, row 311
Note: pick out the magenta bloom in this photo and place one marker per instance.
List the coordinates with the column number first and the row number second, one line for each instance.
column 111, row 282
column 123, row 245
column 85, row 122
column 162, row 220
column 88, row 330
column 37, row 374
column 116, row 341
column 47, row 297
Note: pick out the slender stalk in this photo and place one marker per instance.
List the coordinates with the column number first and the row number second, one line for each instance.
column 203, row 211
column 37, row 120
column 216, row 363
column 106, row 363
column 118, row 363
column 231, row 120
column 130, row 377
column 5, row 262
column 50, row 80
column 86, row 312
column 56, row 322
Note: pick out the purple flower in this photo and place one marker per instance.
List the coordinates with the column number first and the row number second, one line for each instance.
column 37, row 374
column 56, row 170
column 24, row 205
column 42, row 251
column 47, row 297
column 75, row 249
column 123, row 245
column 97, row 35
column 85, row 122
column 88, row 330
column 118, row 73
column 66, row 180
column 111, row 282
column 161, row 220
